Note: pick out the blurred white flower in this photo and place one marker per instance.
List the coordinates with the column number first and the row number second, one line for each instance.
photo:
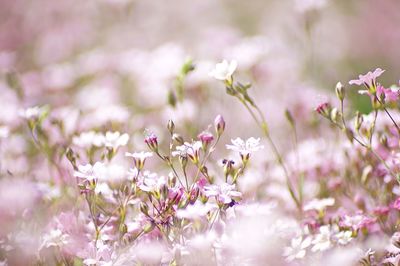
column 224, row 70
column 322, row 241
column 344, row 237
column 88, row 139
column 89, row 172
column 151, row 182
column 223, row 193
column 297, row 249
column 195, row 211
column 139, row 158
column 115, row 139
column 4, row 132
column 31, row 112
column 55, row 238
column 319, row 204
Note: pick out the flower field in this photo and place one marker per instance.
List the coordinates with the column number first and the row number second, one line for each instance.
column 199, row 132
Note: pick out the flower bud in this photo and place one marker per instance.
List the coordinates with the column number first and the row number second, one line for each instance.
column 171, row 126
column 151, row 141
column 178, row 138
column 289, row 117
column 206, row 138
column 324, row 109
column 219, row 124
column 340, row 92
column 144, row 208
column 358, row 121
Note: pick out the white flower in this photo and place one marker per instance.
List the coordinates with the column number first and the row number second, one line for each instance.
column 297, row 249
column 245, row 147
column 139, row 155
column 319, row 204
column 191, row 150
column 32, row 112
column 224, row 70
column 89, row 172
column 55, row 238
column 139, row 158
column 223, row 193
column 195, row 211
column 344, row 237
column 322, row 241
column 151, row 182
column 4, row 132
column 88, row 139
column 115, row 139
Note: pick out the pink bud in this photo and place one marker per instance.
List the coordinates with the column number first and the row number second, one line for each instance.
column 219, row 124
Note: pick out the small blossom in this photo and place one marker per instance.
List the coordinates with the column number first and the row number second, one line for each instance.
column 151, row 140
column 88, row 139
column 368, row 80
column 323, row 109
column 4, row 132
column 31, row 113
column 245, row 148
column 139, row 158
column 322, row 241
column 196, row 210
column 297, row 249
column 224, row 70
column 55, row 238
column 206, row 138
column 151, row 182
column 89, row 172
column 223, row 193
column 344, row 237
column 115, row 139
column 319, row 204
column 191, row 150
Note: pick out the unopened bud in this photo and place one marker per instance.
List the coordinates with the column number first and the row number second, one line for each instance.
column 349, row 134
column 219, row 124
column 171, row 126
column 340, row 92
column 358, row 121
column 289, row 118
column 144, row 208
column 148, row 227
column 178, row 138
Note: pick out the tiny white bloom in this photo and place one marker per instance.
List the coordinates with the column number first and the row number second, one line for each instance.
column 88, row 139
column 55, row 238
column 322, row 241
column 89, row 172
column 139, row 155
column 31, row 112
column 115, row 139
column 245, row 147
column 319, row 204
column 4, row 132
column 297, row 249
column 344, row 237
column 224, row 70
column 223, row 193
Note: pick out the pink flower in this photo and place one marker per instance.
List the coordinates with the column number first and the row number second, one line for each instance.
column 323, row 108
column 388, row 95
column 396, row 204
column 368, row 80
